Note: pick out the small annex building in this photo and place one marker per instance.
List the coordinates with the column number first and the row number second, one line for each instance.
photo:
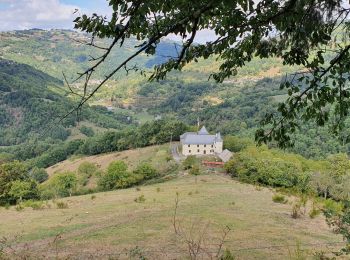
column 201, row 143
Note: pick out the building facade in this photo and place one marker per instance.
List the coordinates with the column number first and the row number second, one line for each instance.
column 201, row 143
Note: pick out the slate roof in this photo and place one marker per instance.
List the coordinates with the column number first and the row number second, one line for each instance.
column 199, row 139
column 202, row 137
column 203, row 131
column 226, row 155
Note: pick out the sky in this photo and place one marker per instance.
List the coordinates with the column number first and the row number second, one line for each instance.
column 46, row 14
column 58, row 14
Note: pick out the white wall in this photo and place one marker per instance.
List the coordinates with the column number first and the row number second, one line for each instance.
column 194, row 149
column 219, row 147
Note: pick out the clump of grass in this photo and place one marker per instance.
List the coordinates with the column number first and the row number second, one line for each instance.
column 190, row 193
column 158, row 189
column 93, row 197
column 48, row 205
column 315, row 211
column 232, row 203
column 140, row 199
column 296, row 210
column 279, row 198
column 19, row 207
column 227, row 255
column 258, row 188
column 197, row 192
column 138, row 188
column 35, row 205
column 7, row 206
column 62, row 205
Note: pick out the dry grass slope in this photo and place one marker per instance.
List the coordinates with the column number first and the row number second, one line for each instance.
column 155, row 155
column 113, row 224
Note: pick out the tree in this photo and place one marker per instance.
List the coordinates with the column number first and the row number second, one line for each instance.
column 10, row 172
column 39, row 174
column 311, row 35
column 24, row 190
column 322, row 182
column 116, row 172
column 64, row 184
column 236, row 144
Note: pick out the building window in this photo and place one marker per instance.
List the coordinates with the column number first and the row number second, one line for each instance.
column 212, row 146
column 189, row 145
column 189, row 151
column 197, row 145
column 198, row 150
column 205, row 145
column 205, row 152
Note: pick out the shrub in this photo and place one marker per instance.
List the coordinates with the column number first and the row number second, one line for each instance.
column 227, row 255
column 296, row 210
column 23, row 190
column 61, row 205
column 35, row 205
column 39, row 174
column 140, row 199
column 93, row 197
column 146, row 170
column 236, row 144
column 117, row 176
column 189, row 162
column 194, row 170
column 60, row 185
column 19, row 207
column 314, row 212
column 332, row 207
column 87, row 168
column 279, row 198
column 268, row 167
column 88, row 131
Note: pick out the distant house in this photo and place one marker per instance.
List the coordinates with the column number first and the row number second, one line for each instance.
column 201, row 143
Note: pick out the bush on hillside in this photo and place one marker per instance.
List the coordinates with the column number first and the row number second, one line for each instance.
column 116, row 172
column 39, row 174
column 236, row 144
column 87, row 169
column 88, row 131
column 10, row 173
column 190, row 162
column 195, row 170
column 60, row 185
column 24, row 190
column 146, row 170
column 269, row 167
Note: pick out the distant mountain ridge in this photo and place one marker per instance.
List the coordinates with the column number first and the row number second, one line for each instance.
column 57, row 51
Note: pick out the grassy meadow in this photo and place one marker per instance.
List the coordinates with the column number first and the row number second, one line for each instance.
column 139, row 222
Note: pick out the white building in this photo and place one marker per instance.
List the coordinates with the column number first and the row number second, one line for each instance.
column 200, row 143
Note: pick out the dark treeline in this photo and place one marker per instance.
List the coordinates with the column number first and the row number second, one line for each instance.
column 42, row 155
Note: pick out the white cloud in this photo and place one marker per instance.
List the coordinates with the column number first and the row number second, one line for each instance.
column 44, row 14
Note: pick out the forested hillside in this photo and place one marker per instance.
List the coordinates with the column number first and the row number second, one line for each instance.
column 32, row 104
column 233, row 107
